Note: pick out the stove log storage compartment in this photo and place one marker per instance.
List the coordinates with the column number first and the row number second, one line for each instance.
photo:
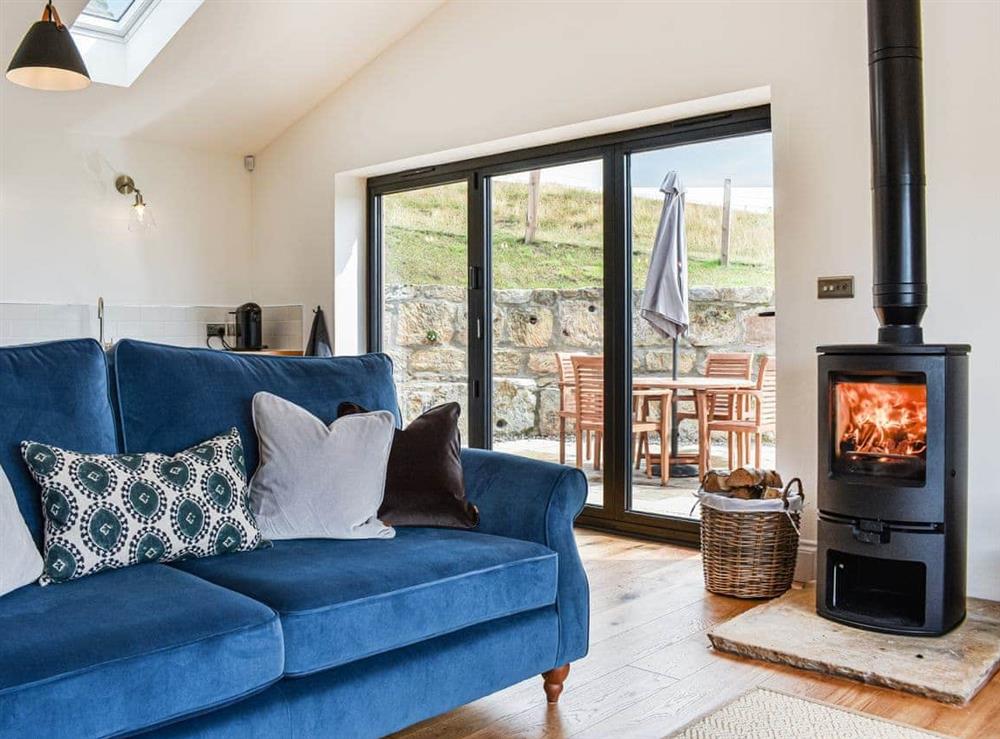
column 893, row 416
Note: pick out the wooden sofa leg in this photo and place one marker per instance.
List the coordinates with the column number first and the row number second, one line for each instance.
column 554, row 680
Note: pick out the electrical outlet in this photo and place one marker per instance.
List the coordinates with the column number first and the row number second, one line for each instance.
column 213, row 330
column 835, row 287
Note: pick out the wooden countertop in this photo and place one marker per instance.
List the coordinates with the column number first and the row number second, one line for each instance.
column 276, row 352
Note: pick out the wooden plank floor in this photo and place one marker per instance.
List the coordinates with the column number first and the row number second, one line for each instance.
column 651, row 670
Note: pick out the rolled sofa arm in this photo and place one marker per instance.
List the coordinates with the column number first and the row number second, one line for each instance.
column 537, row 501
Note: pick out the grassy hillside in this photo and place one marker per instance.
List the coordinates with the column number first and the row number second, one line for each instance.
column 426, row 234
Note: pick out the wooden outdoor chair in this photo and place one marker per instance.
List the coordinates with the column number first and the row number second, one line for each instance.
column 723, row 406
column 756, row 417
column 567, row 402
column 588, row 377
column 644, row 424
column 588, row 373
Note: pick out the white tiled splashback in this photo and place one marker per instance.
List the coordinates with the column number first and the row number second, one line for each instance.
column 26, row 323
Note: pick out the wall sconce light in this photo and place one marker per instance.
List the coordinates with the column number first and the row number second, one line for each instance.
column 142, row 216
column 47, row 58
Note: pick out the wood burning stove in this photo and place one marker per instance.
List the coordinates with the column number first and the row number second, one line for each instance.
column 893, row 416
column 892, row 486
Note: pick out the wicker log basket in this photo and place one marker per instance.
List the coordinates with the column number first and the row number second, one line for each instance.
column 751, row 554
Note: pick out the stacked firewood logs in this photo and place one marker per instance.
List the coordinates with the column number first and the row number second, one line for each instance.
column 745, row 483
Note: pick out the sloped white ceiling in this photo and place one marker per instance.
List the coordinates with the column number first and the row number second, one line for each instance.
column 233, row 78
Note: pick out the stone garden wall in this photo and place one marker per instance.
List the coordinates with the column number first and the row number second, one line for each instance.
column 426, row 333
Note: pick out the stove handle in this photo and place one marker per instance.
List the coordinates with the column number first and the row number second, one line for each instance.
column 870, row 532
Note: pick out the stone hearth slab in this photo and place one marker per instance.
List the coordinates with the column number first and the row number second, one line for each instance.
column 950, row 668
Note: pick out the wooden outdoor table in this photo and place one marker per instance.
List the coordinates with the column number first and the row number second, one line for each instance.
column 701, row 388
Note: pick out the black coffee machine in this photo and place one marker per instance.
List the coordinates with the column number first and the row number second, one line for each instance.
column 248, row 328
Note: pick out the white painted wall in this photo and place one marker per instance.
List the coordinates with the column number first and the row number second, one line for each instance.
column 64, row 234
column 27, row 323
column 477, row 72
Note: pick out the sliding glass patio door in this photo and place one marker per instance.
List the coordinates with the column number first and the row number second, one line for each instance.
column 424, row 258
column 510, row 283
column 546, row 240
column 702, row 224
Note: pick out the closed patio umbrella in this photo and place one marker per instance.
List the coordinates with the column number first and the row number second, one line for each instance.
column 664, row 301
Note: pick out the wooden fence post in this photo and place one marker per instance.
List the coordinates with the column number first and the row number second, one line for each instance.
column 727, row 215
column 534, row 191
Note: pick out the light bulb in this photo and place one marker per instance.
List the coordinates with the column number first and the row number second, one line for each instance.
column 142, row 216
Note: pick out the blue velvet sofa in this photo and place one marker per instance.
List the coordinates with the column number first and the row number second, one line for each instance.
column 307, row 638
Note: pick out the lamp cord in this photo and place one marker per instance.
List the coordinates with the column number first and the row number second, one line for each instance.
column 52, row 15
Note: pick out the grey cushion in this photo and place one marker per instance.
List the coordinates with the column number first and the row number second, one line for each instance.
column 20, row 562
column 317, row 481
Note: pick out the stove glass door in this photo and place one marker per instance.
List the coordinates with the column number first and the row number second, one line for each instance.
column 879, row 426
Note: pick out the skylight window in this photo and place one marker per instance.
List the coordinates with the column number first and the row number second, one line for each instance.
column 108, row 9
column 113, row 19
column 119, row 38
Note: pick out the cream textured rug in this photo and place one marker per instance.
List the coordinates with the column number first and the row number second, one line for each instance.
column 765, row 714
column 950, row 668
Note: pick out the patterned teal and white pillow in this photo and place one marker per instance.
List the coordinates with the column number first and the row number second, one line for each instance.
column 104, row 511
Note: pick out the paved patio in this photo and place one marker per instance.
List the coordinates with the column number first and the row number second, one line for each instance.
column 648, row 496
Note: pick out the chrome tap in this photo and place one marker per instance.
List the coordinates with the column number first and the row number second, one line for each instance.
column 100, row 322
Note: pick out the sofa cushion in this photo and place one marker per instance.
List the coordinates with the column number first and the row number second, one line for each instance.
column 340, row 601
column 20, row 562
column 170, row 398
column 424, row 484
column 380, row 695
column 105, row 511
column 127, row 649
column 318, row 480
column 56, row 391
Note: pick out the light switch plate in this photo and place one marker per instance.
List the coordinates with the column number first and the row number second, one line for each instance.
column 835, row 287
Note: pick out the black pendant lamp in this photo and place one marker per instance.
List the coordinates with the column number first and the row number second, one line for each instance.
column 47, row 58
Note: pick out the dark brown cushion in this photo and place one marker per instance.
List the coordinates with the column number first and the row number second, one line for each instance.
column 424, row 485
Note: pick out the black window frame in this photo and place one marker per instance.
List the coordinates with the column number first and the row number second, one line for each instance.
column 615, row 149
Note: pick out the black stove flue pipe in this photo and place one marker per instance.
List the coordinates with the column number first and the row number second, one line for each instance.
column 897, row 127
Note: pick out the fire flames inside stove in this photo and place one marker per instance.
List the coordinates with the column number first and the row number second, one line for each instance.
column 881, row 429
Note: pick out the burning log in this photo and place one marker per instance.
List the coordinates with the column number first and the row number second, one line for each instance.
column 879, row 418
